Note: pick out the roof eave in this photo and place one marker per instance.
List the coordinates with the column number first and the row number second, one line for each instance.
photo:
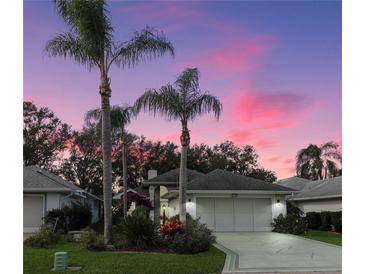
column 225, row 191
column 315, row 197
column 34, row 189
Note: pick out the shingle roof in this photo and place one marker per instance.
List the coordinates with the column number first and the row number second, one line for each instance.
column 321, row 189
column 224, row 180
column 172, row 176
column 294, row 182
column 37, row 178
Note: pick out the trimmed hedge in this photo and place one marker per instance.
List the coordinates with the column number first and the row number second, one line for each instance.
column 336, row 221
column 325, row 221
column 313, row 220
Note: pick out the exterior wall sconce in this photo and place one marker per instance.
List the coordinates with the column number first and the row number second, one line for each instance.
column 278, row 201
column 189, row 200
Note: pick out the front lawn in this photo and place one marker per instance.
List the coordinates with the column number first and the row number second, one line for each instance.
column 40, row 260
column 324, row 236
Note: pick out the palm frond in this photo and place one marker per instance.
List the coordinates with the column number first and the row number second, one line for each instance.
column 188, row 81
column 92, row 116
column 145, row 45
column 121, row 116
column 204, row 103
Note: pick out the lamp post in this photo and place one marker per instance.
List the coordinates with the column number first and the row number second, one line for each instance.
column 163, row 214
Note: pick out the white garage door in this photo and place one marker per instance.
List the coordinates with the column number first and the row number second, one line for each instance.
column 32, row 212
column 235, row 214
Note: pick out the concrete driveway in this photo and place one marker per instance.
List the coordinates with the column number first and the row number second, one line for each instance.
column 274, row 252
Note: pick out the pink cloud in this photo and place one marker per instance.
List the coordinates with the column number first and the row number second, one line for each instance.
column 288, row 161
column 264, row 144
column 234, row 58
column 239, row 136
column 274, row 159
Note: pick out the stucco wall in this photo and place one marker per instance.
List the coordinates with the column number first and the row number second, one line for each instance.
column 320, row 205
column 52, row 201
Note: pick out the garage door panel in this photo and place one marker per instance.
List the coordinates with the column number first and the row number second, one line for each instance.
column 32, row 211
column 243, row 214
column 223, row 214
column 262, row 214
column 205, row 211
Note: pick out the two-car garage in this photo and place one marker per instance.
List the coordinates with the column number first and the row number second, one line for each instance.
column 235, row 214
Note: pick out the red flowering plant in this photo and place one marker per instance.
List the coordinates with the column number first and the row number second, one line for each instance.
column 171, row 228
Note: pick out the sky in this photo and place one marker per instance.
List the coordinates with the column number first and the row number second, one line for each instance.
column 275, row 66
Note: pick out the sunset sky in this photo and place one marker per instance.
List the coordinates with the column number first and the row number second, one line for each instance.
column 275, row 65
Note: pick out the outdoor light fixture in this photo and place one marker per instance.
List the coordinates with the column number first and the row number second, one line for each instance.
column 189, row 200
column 278, row 201
column 163, row 206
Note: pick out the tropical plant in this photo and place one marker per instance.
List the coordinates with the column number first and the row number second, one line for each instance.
column 319, row 162
column 45, row 237
column 120, row 117
column 182, row 101
column 90, row 42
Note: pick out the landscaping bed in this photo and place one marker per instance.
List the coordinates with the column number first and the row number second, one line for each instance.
column 40, row 260
column 324, row 236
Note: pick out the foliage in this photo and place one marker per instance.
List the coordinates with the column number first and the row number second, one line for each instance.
column 325, row 221
column 45, row 137
column 336, row 221
column 319, row 162
column 57, row 219
column 138, row 198
column 138, row 230
column 291, row 224
column 293, row 210
column 69, row 218
column 171, row 228
column 84, row 163
column 90, row 240
column 45, row 237
column 194, row 239
column 313, row 220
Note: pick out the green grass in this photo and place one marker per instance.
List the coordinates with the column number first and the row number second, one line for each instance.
column 40, row 260
column 324, row 236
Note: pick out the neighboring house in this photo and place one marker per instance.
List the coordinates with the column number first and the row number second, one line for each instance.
column 321, row 195
column 223, row 200
column 44, row 191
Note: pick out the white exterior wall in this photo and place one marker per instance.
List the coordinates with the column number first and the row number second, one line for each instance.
column 320, row 205
column 278, row 208
column 52, row 201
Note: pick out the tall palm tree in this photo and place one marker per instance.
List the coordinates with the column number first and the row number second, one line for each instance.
column 90, row 42
column 181, row 101
column 120, row 117
column 319, row 162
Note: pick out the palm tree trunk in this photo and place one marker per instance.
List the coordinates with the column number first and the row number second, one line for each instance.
column 105, row 92
column 185, row 140
column 125, row 184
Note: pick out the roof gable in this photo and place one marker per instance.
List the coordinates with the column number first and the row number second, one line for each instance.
column 294, row 182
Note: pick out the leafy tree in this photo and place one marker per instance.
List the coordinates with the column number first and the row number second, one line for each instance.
column 45, row 137
column 182, row 101
column 319, row 162
column 84, row 163
column 120, row 117
column 90, row 42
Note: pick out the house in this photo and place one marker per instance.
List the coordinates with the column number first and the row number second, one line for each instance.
column 320, row 195
column 44, row 191
column 223, row 200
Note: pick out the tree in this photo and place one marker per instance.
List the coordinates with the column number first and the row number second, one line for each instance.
column 120, row 117
column 90, row 42
column 84, row 163
column 45, row 137
column 319, row 162
column 182, row 101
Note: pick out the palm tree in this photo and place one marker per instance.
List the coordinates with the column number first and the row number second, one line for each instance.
column 120, row 117
column 90, row 42
column 319, row 162
column 182, row 101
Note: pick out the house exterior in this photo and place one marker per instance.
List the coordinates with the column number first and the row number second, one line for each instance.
column 320, row 195
column 223, row 200
column 44, row 191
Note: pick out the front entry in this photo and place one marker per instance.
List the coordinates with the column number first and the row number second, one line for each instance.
column 235, row 214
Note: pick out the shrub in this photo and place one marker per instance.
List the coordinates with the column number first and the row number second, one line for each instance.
column 90, row 240
column 78, row 217
column 336, row 220
column 325, row 221
column 293, row 210
column 138, row 230
column 195, row 238
column 291, row 224
column 313, row 220
column 171, row 228
column 45, row 237
column 57, row 219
